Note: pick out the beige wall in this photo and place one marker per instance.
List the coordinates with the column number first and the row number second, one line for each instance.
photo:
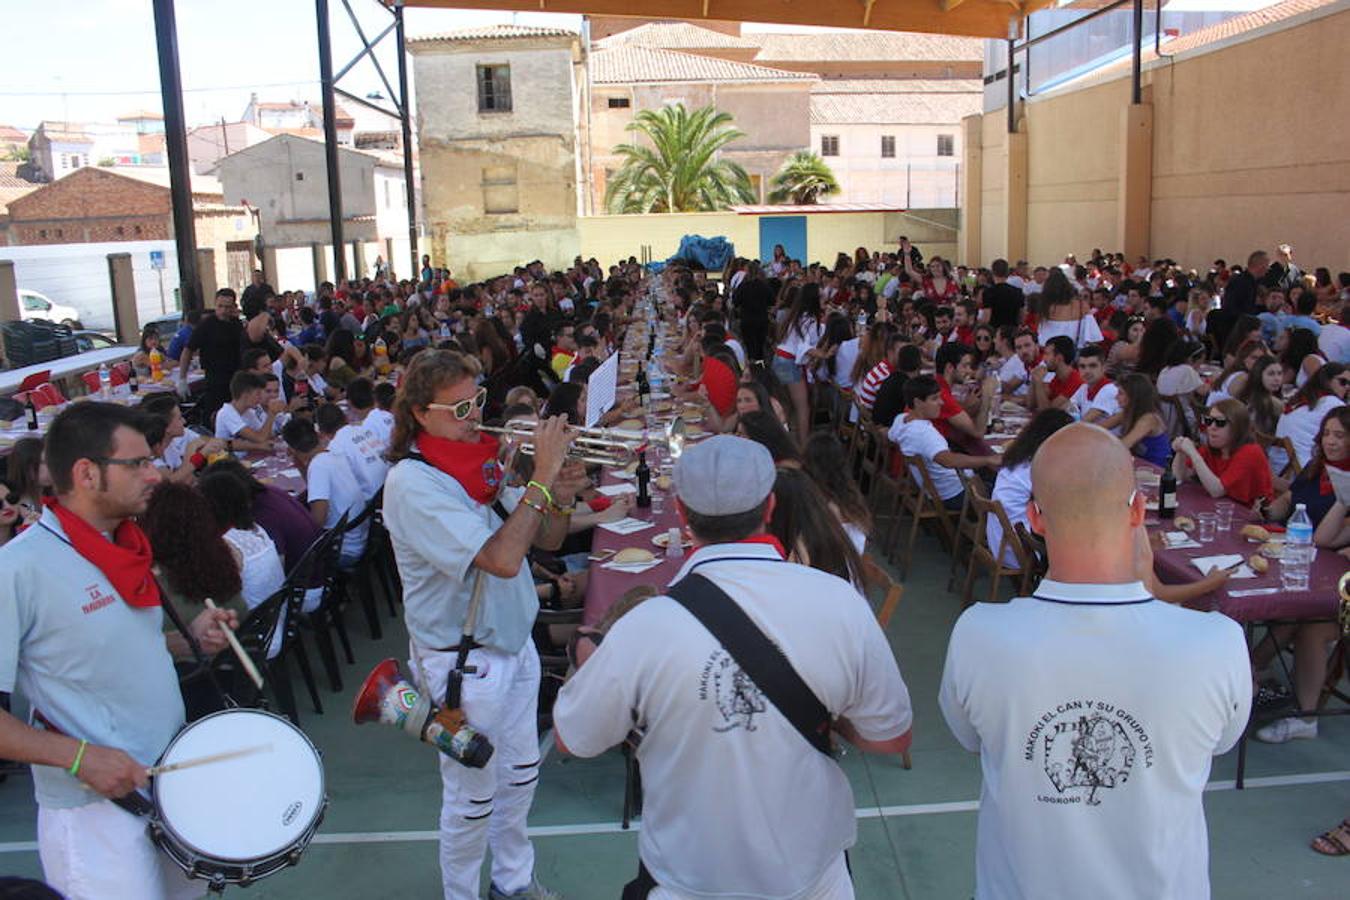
column 1250, row 148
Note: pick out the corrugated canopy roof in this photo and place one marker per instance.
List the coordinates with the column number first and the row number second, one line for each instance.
column 974, row 18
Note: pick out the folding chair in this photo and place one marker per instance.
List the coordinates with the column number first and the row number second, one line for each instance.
column 991, row 558
column 91, row 382
column 45, row 395
column 1037, row 555
column 967, row 527
column 924, row 505
column 34, row 381
column 1292, row 466
column 875, row 578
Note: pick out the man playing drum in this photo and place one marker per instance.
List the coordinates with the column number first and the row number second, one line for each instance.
column 441, row 506
column 82, row 637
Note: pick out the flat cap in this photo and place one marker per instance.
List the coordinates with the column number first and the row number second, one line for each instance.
column 724, row 475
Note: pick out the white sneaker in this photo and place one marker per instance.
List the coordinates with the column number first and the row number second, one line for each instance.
column 535, row 891
column 1283, row 730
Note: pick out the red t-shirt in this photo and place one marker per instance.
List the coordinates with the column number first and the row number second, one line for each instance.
column 950, row 407
column 966, row 335
column 1245, row 474
column 721, row 384
column 1067, row 387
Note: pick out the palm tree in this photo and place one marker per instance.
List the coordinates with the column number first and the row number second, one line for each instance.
column 680, row 170
column 804, row 178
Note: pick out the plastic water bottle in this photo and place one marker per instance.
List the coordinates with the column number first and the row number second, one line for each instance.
column 862, row 321
column 104, row 381
column 1298, row 550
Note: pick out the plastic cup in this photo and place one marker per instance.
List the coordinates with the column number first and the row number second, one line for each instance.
column 1223, row 512
column 1207, row 526
column 674, row 543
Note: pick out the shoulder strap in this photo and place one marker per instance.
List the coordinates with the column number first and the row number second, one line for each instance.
column 758, row 657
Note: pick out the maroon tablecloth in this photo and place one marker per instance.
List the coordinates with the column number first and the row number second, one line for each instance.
column 1320, row 601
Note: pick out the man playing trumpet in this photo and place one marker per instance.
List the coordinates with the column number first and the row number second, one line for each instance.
column 450, row 520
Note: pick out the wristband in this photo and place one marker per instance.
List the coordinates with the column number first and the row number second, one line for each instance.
column 548, row 495
column 79, row 758
column 534, row 506
column 198, row 461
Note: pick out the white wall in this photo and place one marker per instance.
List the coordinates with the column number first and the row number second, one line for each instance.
column 77, row 275
column 916, row 177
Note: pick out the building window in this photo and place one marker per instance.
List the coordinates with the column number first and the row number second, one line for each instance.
column 501, row 196
column 946, row 145
column 387, row 201
column 121, row 230
column 829, row 145
column 42, row 232
column 494, row 88
column 299, row 176
column 619, row 103
column 136, row 229
column 65, row 160
column 888, row 146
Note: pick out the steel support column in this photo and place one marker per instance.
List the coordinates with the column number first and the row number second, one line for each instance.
column 330, row 141
column 175, row 144
column 1012, row 87
column 405, row 108
column 1136, row 60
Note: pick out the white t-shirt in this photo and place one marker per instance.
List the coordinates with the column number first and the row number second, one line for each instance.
column 1096, row 711
column 1334, row 342
column 844, row 358
column 736, row 349
column 1107, row 401
column 737, row 803
column 1012, row 488
column 380, row 423
column 1301, row 426
column 919, row 437
column 174, row 450
column 330, row 478
column 230, row 421
column 363, row 452
column 1015, row 368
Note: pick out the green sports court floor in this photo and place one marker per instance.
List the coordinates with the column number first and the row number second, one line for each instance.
column 916, row 829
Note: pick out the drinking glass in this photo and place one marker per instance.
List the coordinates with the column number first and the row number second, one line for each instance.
column 1208, row 525
column 1223, row 512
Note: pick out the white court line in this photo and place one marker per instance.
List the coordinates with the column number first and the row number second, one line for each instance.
column 870, row 812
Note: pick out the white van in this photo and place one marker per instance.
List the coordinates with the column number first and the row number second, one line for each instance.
column 33, row 305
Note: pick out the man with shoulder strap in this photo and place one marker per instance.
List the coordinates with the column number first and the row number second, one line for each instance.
column 1096, row 709
column 734, row 681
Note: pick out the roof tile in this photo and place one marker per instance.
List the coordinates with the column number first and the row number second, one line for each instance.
column 491, row 33
column 676, row 36
column 628, row 64
column 869, row 46
column 893, row 109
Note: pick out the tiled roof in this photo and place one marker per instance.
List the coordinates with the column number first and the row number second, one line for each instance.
column 492, row 33
column 9, row 133
column 1239, row 24
column 898, row 86
column 140, row 114
column 893, row 109
column 869, row 46
column 630, row 64
column 202, row 185
column 9, row 176
column 676, row 36
column 68, row 132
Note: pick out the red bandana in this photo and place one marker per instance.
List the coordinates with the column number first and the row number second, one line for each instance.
column 765, row 539
column 1325, row 484
column 1096, row 389
column 125, row 560
column 474, row 465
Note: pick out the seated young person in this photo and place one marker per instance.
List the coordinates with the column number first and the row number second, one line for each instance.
column 955, row 365
column 1231, row 463
column 356, row 444
column 1063, row 379
column 1098, row 397
column 243, row 423
column 916, row 435
column 332, row 490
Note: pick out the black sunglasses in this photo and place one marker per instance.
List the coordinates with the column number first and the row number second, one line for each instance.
column 1213, row 421
column 12, row 499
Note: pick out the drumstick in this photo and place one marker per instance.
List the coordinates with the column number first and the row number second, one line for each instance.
column 238, row 649
column 203, row 760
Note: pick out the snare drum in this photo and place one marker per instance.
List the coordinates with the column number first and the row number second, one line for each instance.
column 238, row 820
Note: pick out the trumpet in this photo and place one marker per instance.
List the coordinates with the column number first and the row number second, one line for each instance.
column 596, row 446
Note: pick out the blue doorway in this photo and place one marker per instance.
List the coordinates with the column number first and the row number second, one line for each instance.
column 790, row 231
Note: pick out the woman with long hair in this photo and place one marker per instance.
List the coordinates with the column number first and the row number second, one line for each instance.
column 1158, row 338
column 871, row 350
column 1299, row 354
column 763, row 428
column 1230, row 464
column 26, row 473
column 140, row 360
column 1124, row 355
column 1261, row 392
column 191, row 557
column 342, row 359
column 260, row 568
column 1320, row 394
column 1142, row 429
column 810, row 533
column 11, row 518
column 1061, row 310
column 1233, row 379
column 797, row 352
column 825, row 460
column 1013, row 488
column 983, row 335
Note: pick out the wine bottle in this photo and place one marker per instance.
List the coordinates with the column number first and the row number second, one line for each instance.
column 1167, row 493
column 644, row 477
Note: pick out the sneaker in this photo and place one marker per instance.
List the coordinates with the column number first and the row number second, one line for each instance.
column 535, row 891
column 1291, row 729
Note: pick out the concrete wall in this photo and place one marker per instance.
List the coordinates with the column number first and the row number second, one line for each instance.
column 1248, row 148
column 77, row 275
column 916, row 176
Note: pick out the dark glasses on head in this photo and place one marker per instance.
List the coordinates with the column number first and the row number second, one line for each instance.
column 1213, row 422
column 464, row 408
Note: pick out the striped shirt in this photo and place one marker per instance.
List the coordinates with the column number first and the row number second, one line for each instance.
column 866, row 391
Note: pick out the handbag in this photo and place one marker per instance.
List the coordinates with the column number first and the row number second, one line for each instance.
column 761, row 660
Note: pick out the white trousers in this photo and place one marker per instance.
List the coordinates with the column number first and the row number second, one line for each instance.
column 835, row 884
column 101, row 852
column 487, row 807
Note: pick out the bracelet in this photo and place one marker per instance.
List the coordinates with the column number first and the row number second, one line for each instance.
column 563, row 510
column 548, row 495
column 198, row 461
column 534, row 506
column 79, row 758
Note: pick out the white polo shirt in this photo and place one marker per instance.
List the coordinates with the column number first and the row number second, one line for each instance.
column 1012, row 488
column 1013, row 367
column 330, row 478
column 97, row 668
column 737, row 803
column 1096, row 711
column 919, row 437
column 380, row 423
column 1107, row 401
column 230, row 421
column 365, row 455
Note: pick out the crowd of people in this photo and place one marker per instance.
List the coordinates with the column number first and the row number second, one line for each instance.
column 375, row 390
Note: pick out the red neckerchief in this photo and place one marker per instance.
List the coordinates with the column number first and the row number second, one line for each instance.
column 1324, row 486
column 765, row 539
column 473, row 465
column 125, row 560
column 1095, row 389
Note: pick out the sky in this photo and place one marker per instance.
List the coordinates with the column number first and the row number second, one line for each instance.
column 92, row 60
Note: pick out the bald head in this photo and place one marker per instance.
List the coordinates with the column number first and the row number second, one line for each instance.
column 1083, row 478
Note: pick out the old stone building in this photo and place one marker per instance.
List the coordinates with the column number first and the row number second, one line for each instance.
column 500, row 116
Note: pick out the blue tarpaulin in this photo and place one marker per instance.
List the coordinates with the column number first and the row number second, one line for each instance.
column 711, row 253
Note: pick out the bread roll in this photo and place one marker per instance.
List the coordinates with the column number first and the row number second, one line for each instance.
column 663, row 482
column 1255, row 533
column 1184, row 523
column 633, row 555
column 1258, row 563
